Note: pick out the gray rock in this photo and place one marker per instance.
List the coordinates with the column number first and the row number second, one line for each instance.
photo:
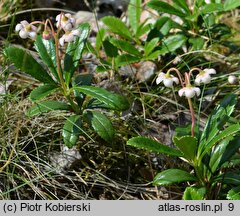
column 146, row 71
column 63, row 160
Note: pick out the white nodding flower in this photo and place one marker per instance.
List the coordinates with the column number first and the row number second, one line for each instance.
column 65, row 21
column 167, row 79
column 26, row 30
column 189, row 91
column 204, row 76
column 232, row 79
column 208, row 1
column 69, row 36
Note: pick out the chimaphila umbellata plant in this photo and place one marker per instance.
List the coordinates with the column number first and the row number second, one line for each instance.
column 60, row 49
column 211, row 152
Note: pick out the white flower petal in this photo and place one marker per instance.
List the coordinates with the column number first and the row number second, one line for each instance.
column 159, row 80
column 197, row 80
column 68, row 26
column 181, row 92
column 32, row 35
column 189, row 92
column 175, row 79
column 18, row 27
column 61, row 41
column 168, row 82
column 210, row 71
column 24, row 23
column 197, row 90
column 76, row 32
column 23, row 34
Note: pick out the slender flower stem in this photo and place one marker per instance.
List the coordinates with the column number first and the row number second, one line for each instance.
column 179, row 75
column 192, row 115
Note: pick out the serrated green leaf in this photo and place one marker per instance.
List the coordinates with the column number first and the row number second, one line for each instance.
column 187, row 145
column 216, row 120
column 149, row 46
column 193, row 193
column 172, row 176
column 81, row 79
column 101, row 124
column 163, row 7
column 72, row 130
column 172, row 43
column 47, row 106
column 134, row 14
column 231, row 4
column 110, row 49
column 47, row 51
column 26, row 63
column 234, row 194
column 223, row 152
column 112, row 100
column 182, row 5
column 153, row 146
column 125, row 46
column 101, row 35
column 229, row 131
column 116, row 26
column 126, row 59
column 228, row 178
column 42, row 91
column 211, row 8
column 74, row 52
column 197, row 43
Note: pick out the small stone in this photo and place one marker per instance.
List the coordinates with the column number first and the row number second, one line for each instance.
column 146, row 71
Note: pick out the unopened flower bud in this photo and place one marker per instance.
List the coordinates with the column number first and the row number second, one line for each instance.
column 47, row 35
column 232, row 79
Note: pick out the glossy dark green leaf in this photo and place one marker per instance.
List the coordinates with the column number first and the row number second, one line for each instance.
column 134, row 14
column 47, row 51
column 112, row 100
column 231, row 4
column 47, row 106
column 172, row 176
column 172, row 43
column 143, row 29
column 116, row 26
column 193, row 193
column 72, row 130
column 110, row 49
column 101, row 35
column 126, row 59
column 150, row 46
column 163, row 7
column 182, row 5
column 42, row 91
column 187, row 145
column 216, row 120
column 197, row 43
column 125, row 46
column 228, row 178
column 74, row 52
column 81, row 79
column 228, row 132
column 211, row 8
column 223, row 152
column 234, row 194
column 26, row 63
column 101, row 124
column 153, row 146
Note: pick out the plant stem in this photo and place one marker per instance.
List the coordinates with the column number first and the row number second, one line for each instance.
column 192, row 115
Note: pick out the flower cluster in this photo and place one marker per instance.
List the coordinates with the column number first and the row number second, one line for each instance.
column 187, row 90
column 64, row 22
